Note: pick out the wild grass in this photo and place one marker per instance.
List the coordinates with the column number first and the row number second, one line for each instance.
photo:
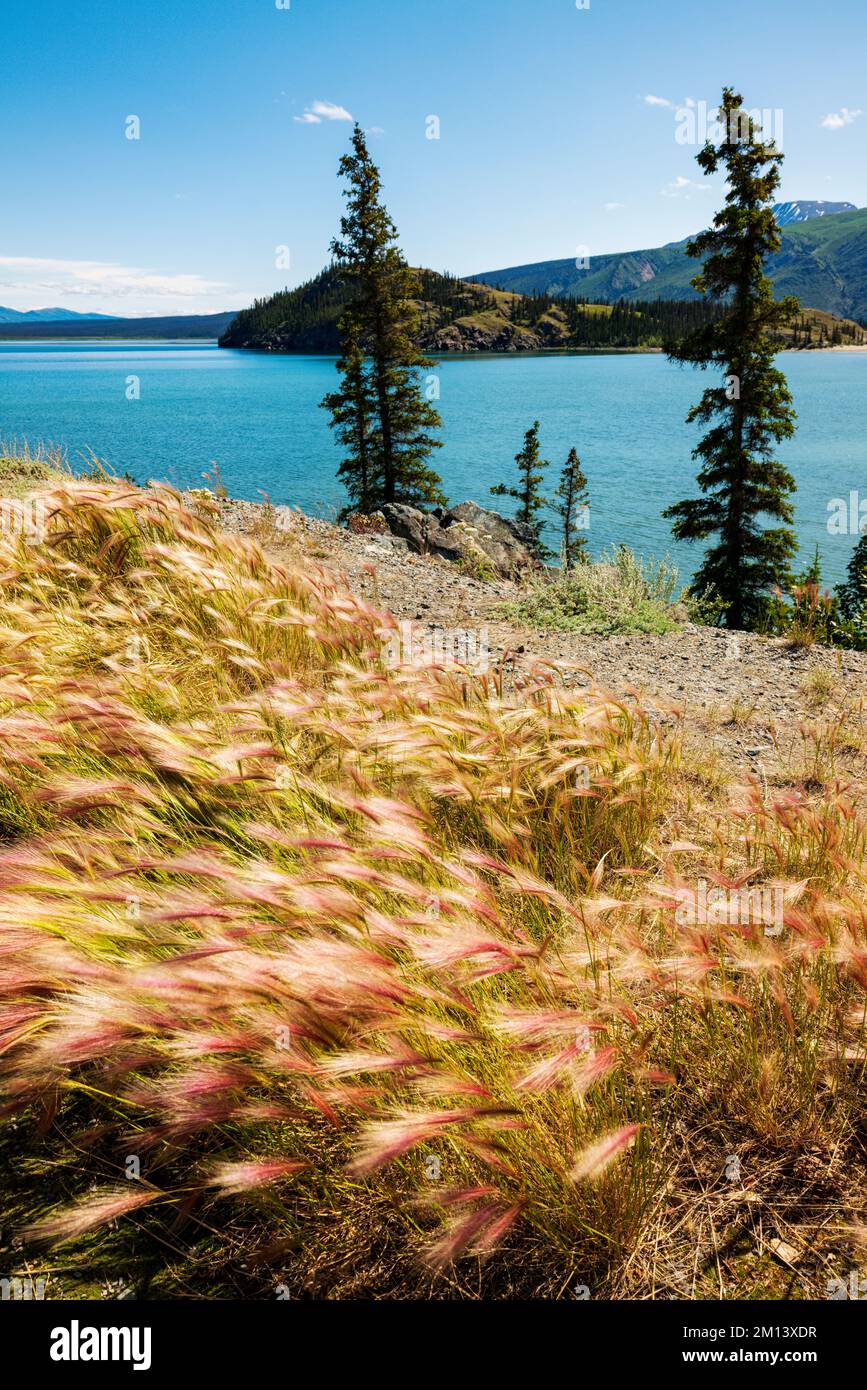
column 742, row 710
column 375, row 978
column 819, row 685
column 621, row 592
column 22, row 468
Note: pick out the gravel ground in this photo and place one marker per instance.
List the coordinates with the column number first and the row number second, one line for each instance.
column 748, row 697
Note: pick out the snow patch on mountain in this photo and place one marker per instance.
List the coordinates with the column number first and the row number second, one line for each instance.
column 804, row 211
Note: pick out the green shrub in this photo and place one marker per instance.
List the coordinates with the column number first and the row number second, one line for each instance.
column 621, row 592
column 704, row 606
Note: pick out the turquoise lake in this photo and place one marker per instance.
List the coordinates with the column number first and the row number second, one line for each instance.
column 257, row 415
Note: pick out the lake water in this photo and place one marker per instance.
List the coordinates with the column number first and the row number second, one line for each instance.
column 257, row 415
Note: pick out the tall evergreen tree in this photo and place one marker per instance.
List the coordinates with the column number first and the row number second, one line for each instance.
column 384, row 319
column 353, row 416
column 527, row 493
column 573, row 500
column 853, row 593
column 752, row 410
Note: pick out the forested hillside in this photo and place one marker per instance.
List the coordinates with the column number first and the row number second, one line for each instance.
column 459, row 316
column 462, row 316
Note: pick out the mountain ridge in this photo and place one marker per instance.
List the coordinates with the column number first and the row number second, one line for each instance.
column 55, row 315
column 165, row 326
column 822, row 260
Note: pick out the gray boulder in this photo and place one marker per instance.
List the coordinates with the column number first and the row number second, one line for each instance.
column 407, row 522
column 469, row 533
column 421, row 531
column 507, row 544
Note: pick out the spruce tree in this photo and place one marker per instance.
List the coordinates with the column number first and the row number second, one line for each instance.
column 573, row 498
column 853, row 593
column 751, row 410
column 384, row 318
column 353, row 417
column 527, row 492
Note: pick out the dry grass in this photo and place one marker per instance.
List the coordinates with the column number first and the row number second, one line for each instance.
column 387, row 977
column 819, row 685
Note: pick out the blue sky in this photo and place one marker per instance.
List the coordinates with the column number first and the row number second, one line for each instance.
column 548, row 141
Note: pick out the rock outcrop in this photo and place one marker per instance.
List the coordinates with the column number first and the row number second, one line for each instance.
column 480, row 539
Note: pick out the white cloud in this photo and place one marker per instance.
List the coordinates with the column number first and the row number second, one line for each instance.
column 121, row 289
column 613, row 207
column 651, row 100
column 323, row 111
column 374, row 130
column 835, row 120
column 684, row 188
column 329, row 112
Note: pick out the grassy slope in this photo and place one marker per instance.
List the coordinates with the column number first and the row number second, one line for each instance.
column 362, row 961
column 20, row 474
column 827, row 257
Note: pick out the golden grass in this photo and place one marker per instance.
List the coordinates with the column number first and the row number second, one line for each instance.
column 398, row 959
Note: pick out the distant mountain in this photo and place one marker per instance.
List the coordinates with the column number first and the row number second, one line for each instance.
column 76, row 327
column 823, row 260
column 804, row 211
column 45, row 315
column 458, row 316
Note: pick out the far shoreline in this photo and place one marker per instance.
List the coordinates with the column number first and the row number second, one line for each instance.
column 430, row 352
column 54, row 342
